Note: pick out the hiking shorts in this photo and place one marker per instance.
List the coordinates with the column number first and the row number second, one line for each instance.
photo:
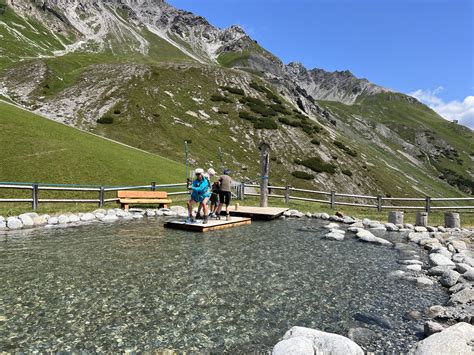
column 224, row 197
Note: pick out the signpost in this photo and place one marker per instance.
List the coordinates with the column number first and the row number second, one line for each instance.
column 265, row 168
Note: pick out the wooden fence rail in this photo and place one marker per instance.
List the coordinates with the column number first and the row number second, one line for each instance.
column 380, row 202
column 35, row 189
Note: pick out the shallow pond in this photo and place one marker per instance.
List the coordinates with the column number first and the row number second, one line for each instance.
column 136, row 286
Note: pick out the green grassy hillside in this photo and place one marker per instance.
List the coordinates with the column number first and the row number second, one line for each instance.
column 35, row 149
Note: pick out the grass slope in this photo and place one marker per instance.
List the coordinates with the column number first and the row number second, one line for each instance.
column 37, row 149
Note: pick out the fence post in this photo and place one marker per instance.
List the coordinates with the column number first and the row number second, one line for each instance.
column 242, row 191
column 34, row 197
column 379, row 203
column 428, row 204
column 153, row 186
column 287, row 194
column 101, row 197
column 333, row 199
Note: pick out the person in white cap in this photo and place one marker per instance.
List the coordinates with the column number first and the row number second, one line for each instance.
column 199, row 194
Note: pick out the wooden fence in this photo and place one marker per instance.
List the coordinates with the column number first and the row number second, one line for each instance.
column 378, row 202
column 101, row 192
column 286, row 193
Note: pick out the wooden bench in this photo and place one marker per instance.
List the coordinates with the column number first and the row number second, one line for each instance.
column 143, row 197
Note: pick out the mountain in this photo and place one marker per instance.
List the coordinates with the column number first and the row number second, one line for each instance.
column 149, row 75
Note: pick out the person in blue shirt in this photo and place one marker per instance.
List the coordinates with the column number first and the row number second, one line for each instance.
column 199, row 194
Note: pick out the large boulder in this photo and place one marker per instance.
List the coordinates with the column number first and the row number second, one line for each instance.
column 14, row 223
column 27, row 220
column 63, row 219
column 110, row 218
column 86, row 217
column 462, row 297
column 367, row 236
column 40, row 220
column 449, row 278
column 294, row 346
column 436, row 259
column 456, row 339
column 322, row 343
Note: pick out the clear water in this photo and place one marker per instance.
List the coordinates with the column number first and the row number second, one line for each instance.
column 136, row 286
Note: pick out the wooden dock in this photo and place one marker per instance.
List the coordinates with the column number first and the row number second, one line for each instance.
column 260, row 213
column 212, row 224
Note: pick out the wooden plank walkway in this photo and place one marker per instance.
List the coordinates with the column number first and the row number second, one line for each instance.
column 212, row 224
column 262, row 213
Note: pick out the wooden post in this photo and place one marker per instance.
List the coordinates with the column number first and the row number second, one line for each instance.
column 101, row 197
column 287, row 194
column 379, row 203
column 421, row 219
column 428, row 204
column 34, row 197
column 333, row 199
column 153, row 186
column 242, row 191
column 395, row 217
column 452, row 220
column 265, row 168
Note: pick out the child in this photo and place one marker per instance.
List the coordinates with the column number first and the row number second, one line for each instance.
column 214, row 198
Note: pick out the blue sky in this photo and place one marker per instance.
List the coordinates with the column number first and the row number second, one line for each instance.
column 421, row 47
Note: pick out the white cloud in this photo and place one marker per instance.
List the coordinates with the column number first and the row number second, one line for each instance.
column 463, row 111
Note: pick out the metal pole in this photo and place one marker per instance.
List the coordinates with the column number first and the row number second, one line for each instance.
column 265, row 168
column 101, row 197
column 242, row 191
column 34, row 196
column 153, row 186
column 186, row 155
column 379, row 203
column 219, row 151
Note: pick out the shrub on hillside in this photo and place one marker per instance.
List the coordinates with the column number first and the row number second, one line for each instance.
column 302, row 175
column 289, row 122
column 345, row 148
column 232, row 90
column 347, row 172
column 315, row 141
column 257, row 87
column 106, row 119
column 222, row 112
column 318, row 165
column 247, row 116
column 262, row 110
column 117, row 111
column 265, row 123
column 220, row 98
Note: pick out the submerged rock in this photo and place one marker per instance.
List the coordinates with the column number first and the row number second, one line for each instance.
column 322, row 343
column 361, row 335
column 370, row 318
column 456, row 339
column 439, row 270
column 462, row 297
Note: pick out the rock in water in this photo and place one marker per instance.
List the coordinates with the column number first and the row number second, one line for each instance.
column 456, row 339
column 27, row 220
column 449, row 278
column 14, row 223
column 462, row 297
column 370, row 318
column 361, row 335
column 438, row 260
column 322, row 342
column 432, row 328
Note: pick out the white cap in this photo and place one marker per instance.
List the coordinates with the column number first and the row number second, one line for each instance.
column 199, row 171
column 211, row 172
